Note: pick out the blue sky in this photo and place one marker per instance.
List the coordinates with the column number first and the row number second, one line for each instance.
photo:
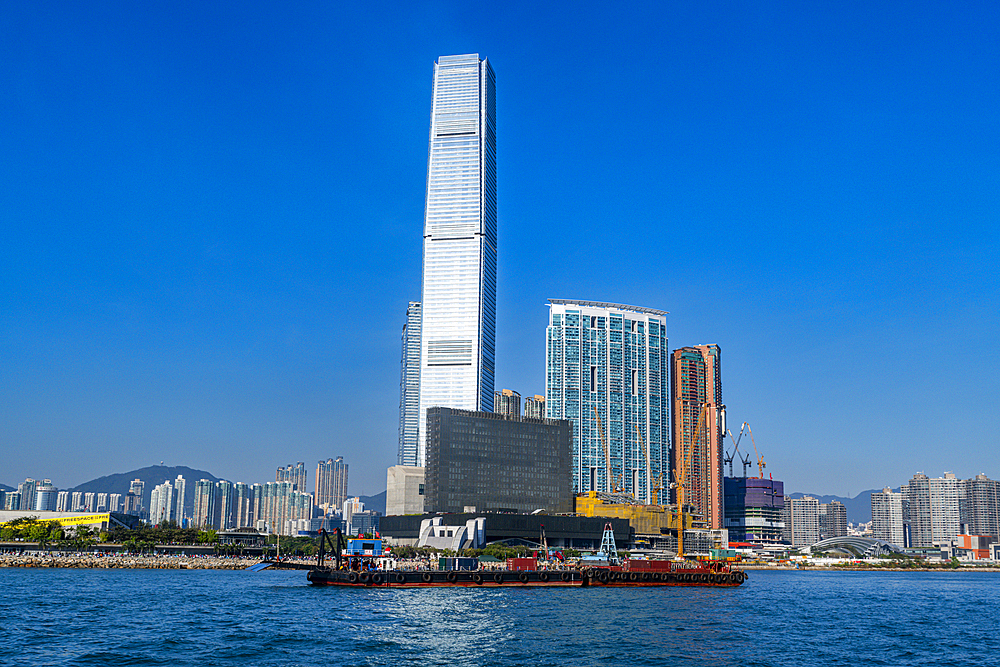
column 211, row 220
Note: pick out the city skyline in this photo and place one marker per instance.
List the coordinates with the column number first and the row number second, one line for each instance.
column 187, row 222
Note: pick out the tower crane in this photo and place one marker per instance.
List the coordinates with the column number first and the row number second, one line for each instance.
column 682, row 481
column 760, row 459
column 736, row 448
column 607, row 454
column 656, row 484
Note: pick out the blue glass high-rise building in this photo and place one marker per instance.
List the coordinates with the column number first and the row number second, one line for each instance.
column 409, row 388
column 457, row 339
column 607, row 371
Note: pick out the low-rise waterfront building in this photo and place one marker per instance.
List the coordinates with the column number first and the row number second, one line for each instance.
column 561, row 531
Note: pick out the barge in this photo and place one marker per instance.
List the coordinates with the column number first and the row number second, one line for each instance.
column 354, row 572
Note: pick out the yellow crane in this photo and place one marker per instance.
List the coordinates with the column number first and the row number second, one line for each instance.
column 657, row 484
column 607, row 454
column 682, row 481
column 760, row 459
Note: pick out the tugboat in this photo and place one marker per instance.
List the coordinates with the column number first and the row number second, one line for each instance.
column 355, row 570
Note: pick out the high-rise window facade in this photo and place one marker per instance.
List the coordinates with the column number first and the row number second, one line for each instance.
column 606, row 371
column 180, row 500
column 497, row 463
column 887, row 516
column 409, row 389
column 534, row 407
column 932, row 509
column 832, row 520
column 754, row 509
column 460, row 242
column 203, row 514
column 507, row 403
column 981, row 505
column 696, row 395
column 331, row 483
column 801, row 519
column 295, row 474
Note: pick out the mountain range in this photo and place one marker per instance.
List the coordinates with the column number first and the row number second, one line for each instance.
column 152, row 476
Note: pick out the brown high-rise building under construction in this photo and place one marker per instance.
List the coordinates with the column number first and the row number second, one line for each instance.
column 697, row 423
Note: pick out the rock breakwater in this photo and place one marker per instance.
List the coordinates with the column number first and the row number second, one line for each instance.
column 122, row 561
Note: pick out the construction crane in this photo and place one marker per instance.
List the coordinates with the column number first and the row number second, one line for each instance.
column 682, row 481
column 760, row 459
column 656, row 484
column 736, row 448
column 607, row 454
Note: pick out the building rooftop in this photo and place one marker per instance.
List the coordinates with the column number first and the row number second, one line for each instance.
column 604, row 304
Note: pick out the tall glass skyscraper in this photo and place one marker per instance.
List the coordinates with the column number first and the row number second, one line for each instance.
column 457, row 339
column 607, row 372
column 409, row 389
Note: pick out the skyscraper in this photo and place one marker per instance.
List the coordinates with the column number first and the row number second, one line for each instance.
column 27, row 491
column 458, row 302
column 696, row 397
column 243, row 505
column 507, row 403
column 981, row 505
column 280, row 504
column 203, row 514
column 754, row 509
column 45, row 497
column 887, row 516
column 409, row 390
column 606, row 371
column 932, row 509
column 180, row 491
column 801, row 517
column 534, row 407
column 223, row 516
column 295, row 474
column 331, row 482
column 162, row 503
column 136, row 505
column 832, row 519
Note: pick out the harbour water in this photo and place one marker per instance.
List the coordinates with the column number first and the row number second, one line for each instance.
column 168, row 617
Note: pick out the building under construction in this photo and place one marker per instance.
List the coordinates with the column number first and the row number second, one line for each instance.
column 753, row 509
column 654, row 526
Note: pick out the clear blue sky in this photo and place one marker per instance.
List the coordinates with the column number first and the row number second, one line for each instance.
column 211, row 219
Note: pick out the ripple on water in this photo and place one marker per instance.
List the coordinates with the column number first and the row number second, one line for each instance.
column 157, row 617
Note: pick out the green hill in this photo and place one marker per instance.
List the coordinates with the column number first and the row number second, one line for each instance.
column 152, row 476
